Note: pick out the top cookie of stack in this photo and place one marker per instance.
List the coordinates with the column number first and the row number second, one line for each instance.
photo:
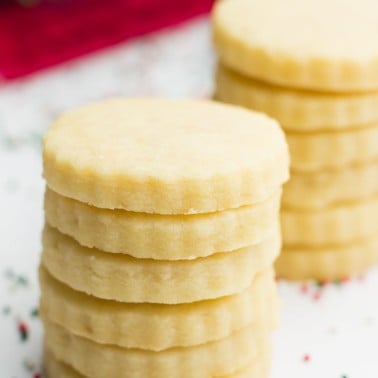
column 312, row 65
column 144, row 162
column 321, row 45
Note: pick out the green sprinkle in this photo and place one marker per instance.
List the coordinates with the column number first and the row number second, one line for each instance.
column 22, row 280
column 6, row 310
column 34, row 313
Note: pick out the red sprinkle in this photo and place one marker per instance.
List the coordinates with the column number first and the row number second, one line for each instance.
column 37, row 375
column 22, row 327
column 306, row 358
column 304, row 288
column 317, row 296
column 23, row 330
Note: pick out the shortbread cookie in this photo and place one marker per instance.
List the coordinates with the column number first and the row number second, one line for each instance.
column 158, row 327
column 127, row 279
column 165, row 156
column 57, row 369
column 297, row 110
column 221, row 357
column 317, row 190
column 334, row 225
column 319, row 44
column 328, row 263
column 163, row 237
column 258, row 368
column 312, row 152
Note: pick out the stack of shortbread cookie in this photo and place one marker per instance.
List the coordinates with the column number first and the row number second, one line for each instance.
column 312, row 65
column 161, row 232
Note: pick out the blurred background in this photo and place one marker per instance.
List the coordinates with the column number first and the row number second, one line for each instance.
column 59, row 54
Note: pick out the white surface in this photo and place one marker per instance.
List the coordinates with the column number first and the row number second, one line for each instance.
column 339, row 331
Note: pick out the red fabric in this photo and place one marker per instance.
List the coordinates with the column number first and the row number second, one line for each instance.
column 58, row 30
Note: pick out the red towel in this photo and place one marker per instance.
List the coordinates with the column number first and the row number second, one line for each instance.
column 33, row 38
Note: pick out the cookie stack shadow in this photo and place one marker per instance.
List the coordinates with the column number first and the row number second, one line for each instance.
column 162, row 269
column 328, row 109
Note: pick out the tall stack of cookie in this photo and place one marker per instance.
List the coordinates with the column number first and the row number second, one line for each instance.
column 312, row 65
column 161, row 231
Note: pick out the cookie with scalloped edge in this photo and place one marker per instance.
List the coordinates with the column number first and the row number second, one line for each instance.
column 312, row 152
column 127, row 279
column 329, row 188
column 165, row 156
column 333, row 225
column 217, row 358
column 298, row 110
column 258, row 368
column 156, row 326
column 162, row 237
column 319, row 44
column 329, row 262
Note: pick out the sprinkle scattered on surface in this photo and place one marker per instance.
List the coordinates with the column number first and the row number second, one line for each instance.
column 304, row 288
column 23, row 331
column 306, row 358
column 34, row 313
column 317, row 296
column 16, row 280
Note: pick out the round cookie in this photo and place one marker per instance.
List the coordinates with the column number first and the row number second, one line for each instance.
column 258, row 368
column 126, row 279
column 57, row 369
column 217, row 358
column 318, row 44
column 165, row 156
column 298, row 110
column 311, row 152
column 162, row 237
column 335, row 225
column 317, row 190
column 328, row 263
column 154, row 326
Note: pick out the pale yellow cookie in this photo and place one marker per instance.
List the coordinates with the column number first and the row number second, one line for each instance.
column 165, row 156
column 319, row 44
column 328, row 263
column 317, row 190
column 258, row 368
column 334, row 225
column 298, row 110
column 153, row 326
column 311, row 152
column 57, row 369
column 127, row 279
column 222, row 357
column 163, row 237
